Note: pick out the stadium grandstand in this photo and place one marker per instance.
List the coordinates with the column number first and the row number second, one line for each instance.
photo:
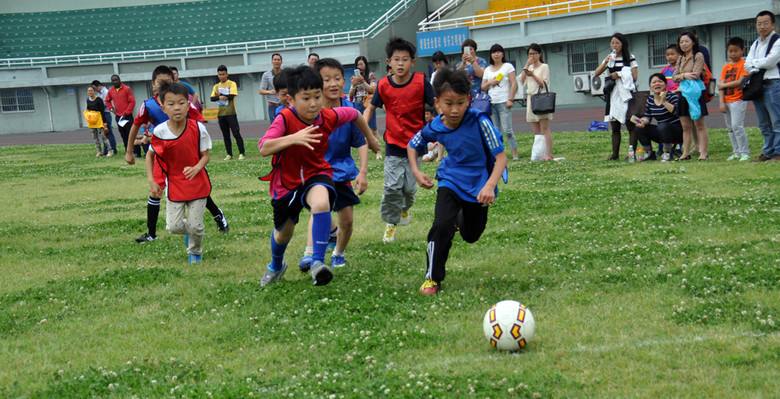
column 50, row 50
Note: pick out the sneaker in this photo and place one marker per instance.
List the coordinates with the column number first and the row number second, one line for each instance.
column 272, row 276
column 110, row 153
column 222, row 223
column 733, row 157
column 515, row 159
column 430, row 288
column 321, row 274
column 145, row 237
column 305, row 263
column 338, row 261
column 406, row 218
column 193, row 259
column 744, row 157
column 666, row 157
column 240, row 157
column 762, row 158
column 378, row 155
column 98, row 154
column 389, row 234
column 229, row 157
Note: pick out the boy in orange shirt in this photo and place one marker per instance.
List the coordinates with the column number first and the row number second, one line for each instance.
column 731, row 104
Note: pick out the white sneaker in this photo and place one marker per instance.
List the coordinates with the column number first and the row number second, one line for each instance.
column 110, row 153
column 406, row 218
column 733, row 157
column 744, row 157
column 229, row 157
column 240, row 157
column 665, row 157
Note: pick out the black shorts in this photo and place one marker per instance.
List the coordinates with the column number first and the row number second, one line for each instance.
column 683, row 108
column 345, row 196
column 290, row 206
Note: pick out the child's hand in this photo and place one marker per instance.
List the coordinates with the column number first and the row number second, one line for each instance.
column 423, row 180
column 155, row 190
column 362, row 183
column 722, row 107
column 191, row 171
column 487, row 195
column 129, row 158
column 306, row 137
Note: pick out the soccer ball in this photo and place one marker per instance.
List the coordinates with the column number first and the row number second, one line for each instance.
column 509, row 325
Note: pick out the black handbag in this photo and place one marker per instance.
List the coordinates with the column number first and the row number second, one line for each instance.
column 753, row 86
column 543, row 103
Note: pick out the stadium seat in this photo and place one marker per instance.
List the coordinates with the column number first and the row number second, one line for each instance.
column 534, row 9
column 185, row 24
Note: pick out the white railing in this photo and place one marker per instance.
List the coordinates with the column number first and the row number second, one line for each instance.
column 439, row 12
column 518, row 14
column 218, row 49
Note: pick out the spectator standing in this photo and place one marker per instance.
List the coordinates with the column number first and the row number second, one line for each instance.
column 224, row 94
column 267, row 86
column 121, row 101
column 473, row 65
column 102, row 92
column 692, row 108
column 765, row 54
column 500, row 82
column 363, row 86
column 536, row 76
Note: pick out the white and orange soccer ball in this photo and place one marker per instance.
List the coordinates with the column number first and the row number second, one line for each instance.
column 509, row 326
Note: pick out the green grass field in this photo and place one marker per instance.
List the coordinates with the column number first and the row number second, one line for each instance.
column 646, row 280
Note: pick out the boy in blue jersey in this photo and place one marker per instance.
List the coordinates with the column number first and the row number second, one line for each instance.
column 339, row 156
column 280, row 86
column 467, row 176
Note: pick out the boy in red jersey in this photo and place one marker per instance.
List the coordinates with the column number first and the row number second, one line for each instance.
column 301, row 177
column 181, row 146
column 404, row 95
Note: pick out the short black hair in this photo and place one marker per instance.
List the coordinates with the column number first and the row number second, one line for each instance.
column 765, row 13
column 398, row 44
column 303, row 78
column 329, row 63
column 430, row 109
column 468, row 42
column 275, row 54
column 96, row 83
column 116, row 76
column 497, row 47
column 736, row 41
column 161, row 70
column 674, row 47
column 313, row 54
column 173, row 68
column 280, row 80
column 657, row 75
column 222, row 68
column 456, row 81
column 439, row 56
column 174, row 88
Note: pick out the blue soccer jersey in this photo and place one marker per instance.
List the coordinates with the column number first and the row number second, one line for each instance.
column 340, row 144
column 471, row 151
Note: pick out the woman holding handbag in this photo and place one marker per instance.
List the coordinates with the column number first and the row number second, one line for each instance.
column 536, row 78
column 692, row 110
column 500, row 83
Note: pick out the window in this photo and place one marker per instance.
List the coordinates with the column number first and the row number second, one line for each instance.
column 745, row 29
column 657, row 43
column 17, row 100
column 583, row 56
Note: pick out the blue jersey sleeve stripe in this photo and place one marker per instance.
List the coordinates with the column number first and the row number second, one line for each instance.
column 490, row 133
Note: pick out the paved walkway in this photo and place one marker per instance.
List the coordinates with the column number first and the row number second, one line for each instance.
column 566, row 120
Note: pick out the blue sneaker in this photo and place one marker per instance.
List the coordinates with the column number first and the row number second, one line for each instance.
column 338, row 261
column 193, row 259
column 272, row 276
column 305, row 263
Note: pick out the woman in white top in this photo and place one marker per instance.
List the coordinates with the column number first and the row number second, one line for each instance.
column 500, row 83
column 535, row 76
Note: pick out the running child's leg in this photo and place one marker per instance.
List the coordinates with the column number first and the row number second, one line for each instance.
column 346, row 221
column 472, row 221
column 319, row 203
column 217, row 215
column 441, row 233
column 195, row 227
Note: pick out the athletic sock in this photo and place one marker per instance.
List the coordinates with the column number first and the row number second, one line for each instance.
column 212, row 207
column 152, row 213
column 320, row 232
column 308, row 251
column 277, row 254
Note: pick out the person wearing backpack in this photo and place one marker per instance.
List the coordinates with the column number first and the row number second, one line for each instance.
column 690, row 73
column 763, row 57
